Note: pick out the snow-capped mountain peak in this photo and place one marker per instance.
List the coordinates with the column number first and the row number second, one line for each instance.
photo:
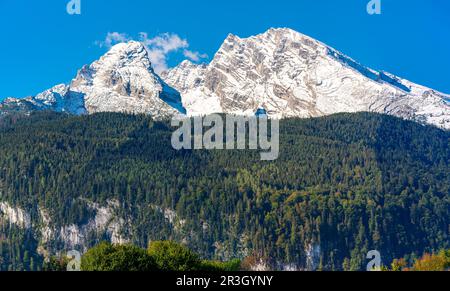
column 132, row 53
column 281, row 72
column 289, row 74
column 122, row 80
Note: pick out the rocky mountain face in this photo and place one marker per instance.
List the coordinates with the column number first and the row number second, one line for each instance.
column 291, row 75
column 120, row 81
column 59, row 98
column 281, row 71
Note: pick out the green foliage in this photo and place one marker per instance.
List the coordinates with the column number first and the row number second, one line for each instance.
column 348, row 182
column 18, row 249
column 161, row 256
column 217, row 266
column 170, row 256
column 108, row 257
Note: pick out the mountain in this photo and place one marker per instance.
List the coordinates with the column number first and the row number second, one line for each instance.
column 120, row 81
column 343, row 185
column 292, row 75
column 58, row 98
column 281, row 72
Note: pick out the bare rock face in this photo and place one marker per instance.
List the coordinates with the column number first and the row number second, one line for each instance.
column 58, row 98
column 124, row 81
column 292, row 75
column 120, row 81
column 15, row 215
column 75, row 236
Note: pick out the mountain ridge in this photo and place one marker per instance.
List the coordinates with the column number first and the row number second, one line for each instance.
column 284, row 72
column 122, row 80
column 293, row 75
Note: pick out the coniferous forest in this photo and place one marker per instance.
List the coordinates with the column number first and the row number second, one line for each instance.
column 343, row 185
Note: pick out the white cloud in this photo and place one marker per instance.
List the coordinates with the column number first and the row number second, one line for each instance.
column 158, row 47
column 166, row 42
column 113, row 38
column 194, row 56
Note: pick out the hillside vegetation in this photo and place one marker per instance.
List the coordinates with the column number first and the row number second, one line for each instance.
column 343, row 185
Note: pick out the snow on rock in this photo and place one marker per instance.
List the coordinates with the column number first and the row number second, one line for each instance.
column 189, row 79
column 124, row 81
column 289, row 74
column 120, row 81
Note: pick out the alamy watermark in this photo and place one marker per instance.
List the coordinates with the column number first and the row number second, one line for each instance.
column 230, row 132
column 74, row 263
column 74, row 7
column 374, row 7
column 375, row 261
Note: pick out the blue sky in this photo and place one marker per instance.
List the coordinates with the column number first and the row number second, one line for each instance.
column 42, row 45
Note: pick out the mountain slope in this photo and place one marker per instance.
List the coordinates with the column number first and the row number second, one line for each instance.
column 343, row 185
column 124, row 81
column 58, row 98
column 292, row 75
column 120, row 81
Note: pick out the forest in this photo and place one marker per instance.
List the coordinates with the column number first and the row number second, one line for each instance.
column 343, row 185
